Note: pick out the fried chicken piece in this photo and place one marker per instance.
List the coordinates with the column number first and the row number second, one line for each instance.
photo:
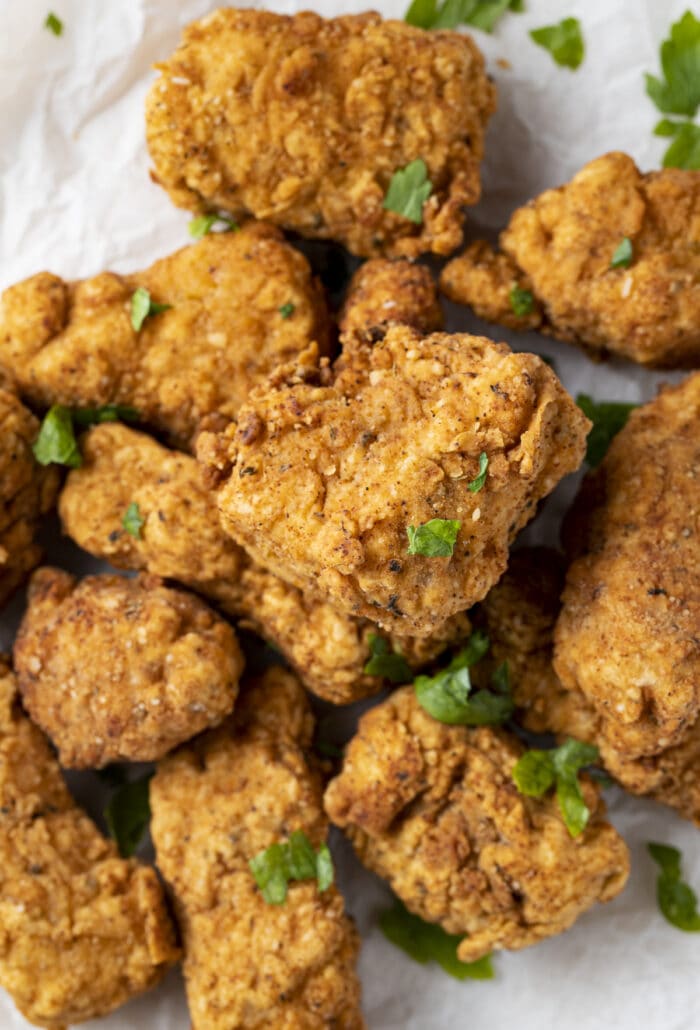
column 74, row 344
column 27, row 491
column 383, row 292
column 122, row 669
column 182, row 539
column 328, row 468
column 561, row 245
column 219, row 802
column 433, row 809
column 304, row 121
column 81, row 930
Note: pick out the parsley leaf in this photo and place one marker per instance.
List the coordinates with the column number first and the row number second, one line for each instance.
column 202, row 225
column 481, row 14
column 521, row 301
column 128, row 813
column 408, row 190
column 564, row 42
column 477, row 483
column 537, row 771
column 434, row 539
column 287, row 309
column 622, row 258
column 684, row 152
column 385, row 662
column 54, row 24
column 679, row 91
column 142, row 307
column 56, row 443
column 132, row 520
column 608, row 418
column 448, row 697
column 427, row 942
column 677, row 901
column 295, row 859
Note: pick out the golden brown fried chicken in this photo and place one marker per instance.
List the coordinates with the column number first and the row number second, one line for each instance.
column 561, row 246
column 81, row 930
column 433, row 809
column 328, row 469
column 226, row 328
column 304, row 121
column 382, row 292
column 114, row 668
column 182, row 539
column 27, row 491
column 217, row 803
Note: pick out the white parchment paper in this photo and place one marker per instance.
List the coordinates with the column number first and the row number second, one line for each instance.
column 75, row 198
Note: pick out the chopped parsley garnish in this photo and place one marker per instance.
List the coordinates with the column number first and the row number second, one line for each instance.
column 521, row 301
column 481, row 14
column 385, row 662
column 536, row 772
column 477, row 483
column 678, row 902
column 684, row 152
column 54, row 24
column 564, row 42
column 434, row 539
column 202, row 225
column 287, row 309
column 448, row 697
column 128, row 813
column 427, row 942
column 622, row 258
column 608, row 418
column 295, row 859
column 132, row 521
column 56, row 443
column 142, row 307
column 678, row 92
column 408, row 190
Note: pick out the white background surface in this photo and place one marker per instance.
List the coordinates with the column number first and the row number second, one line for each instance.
column 75, row 198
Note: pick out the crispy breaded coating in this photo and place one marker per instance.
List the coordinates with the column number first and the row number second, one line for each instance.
column 382, row 292
column 182, row 539
column 561, row 245
column 122, row 669
column 216, row 804
column 628, row 635
column 27, row 491
column 303, row 122
column 433, row 809
column 74, row 344
column 327, row 469
column 81, row 930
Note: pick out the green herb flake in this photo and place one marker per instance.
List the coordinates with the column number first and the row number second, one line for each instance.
column 56, row 443
column 202, row 225
column 142, row 307
column 537, row 771
column 54, row 24
column 295, row 859
column 447, row 696
column 679, row 90
column 678, row 902
column 564, row 42
column 622, row 257
column 608, row 418
column 287, row 309
column 521, row 301
column 408, row 190
column 385, row 662
column 477, row 483
column 427, row 942
column 684, row 152
column 132, row 521
column 481, row 14
column 128, row 814
column 434, row 539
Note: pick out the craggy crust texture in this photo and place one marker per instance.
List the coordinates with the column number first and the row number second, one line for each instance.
column 73, row 343
column 382, row 292
column 325, row 471
column 182, row 539
column 27, row 491
column 303, row 122
column 216, row 804
column 433, row 809
column 114, row 668
column 81, row 930
column 629, row 631
column 561, row 244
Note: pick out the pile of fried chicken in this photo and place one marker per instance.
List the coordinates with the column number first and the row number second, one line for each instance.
column 285, row 460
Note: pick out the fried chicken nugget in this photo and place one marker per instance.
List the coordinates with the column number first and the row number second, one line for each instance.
column 327, row 470
column 27, row 491
column 122, row 669
column 561, row 247
column 382, row 292
column 433, row 809
column 81, row 930
column 182, row 539
column 304, row 121
column 225, row 329
column 216, row 804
